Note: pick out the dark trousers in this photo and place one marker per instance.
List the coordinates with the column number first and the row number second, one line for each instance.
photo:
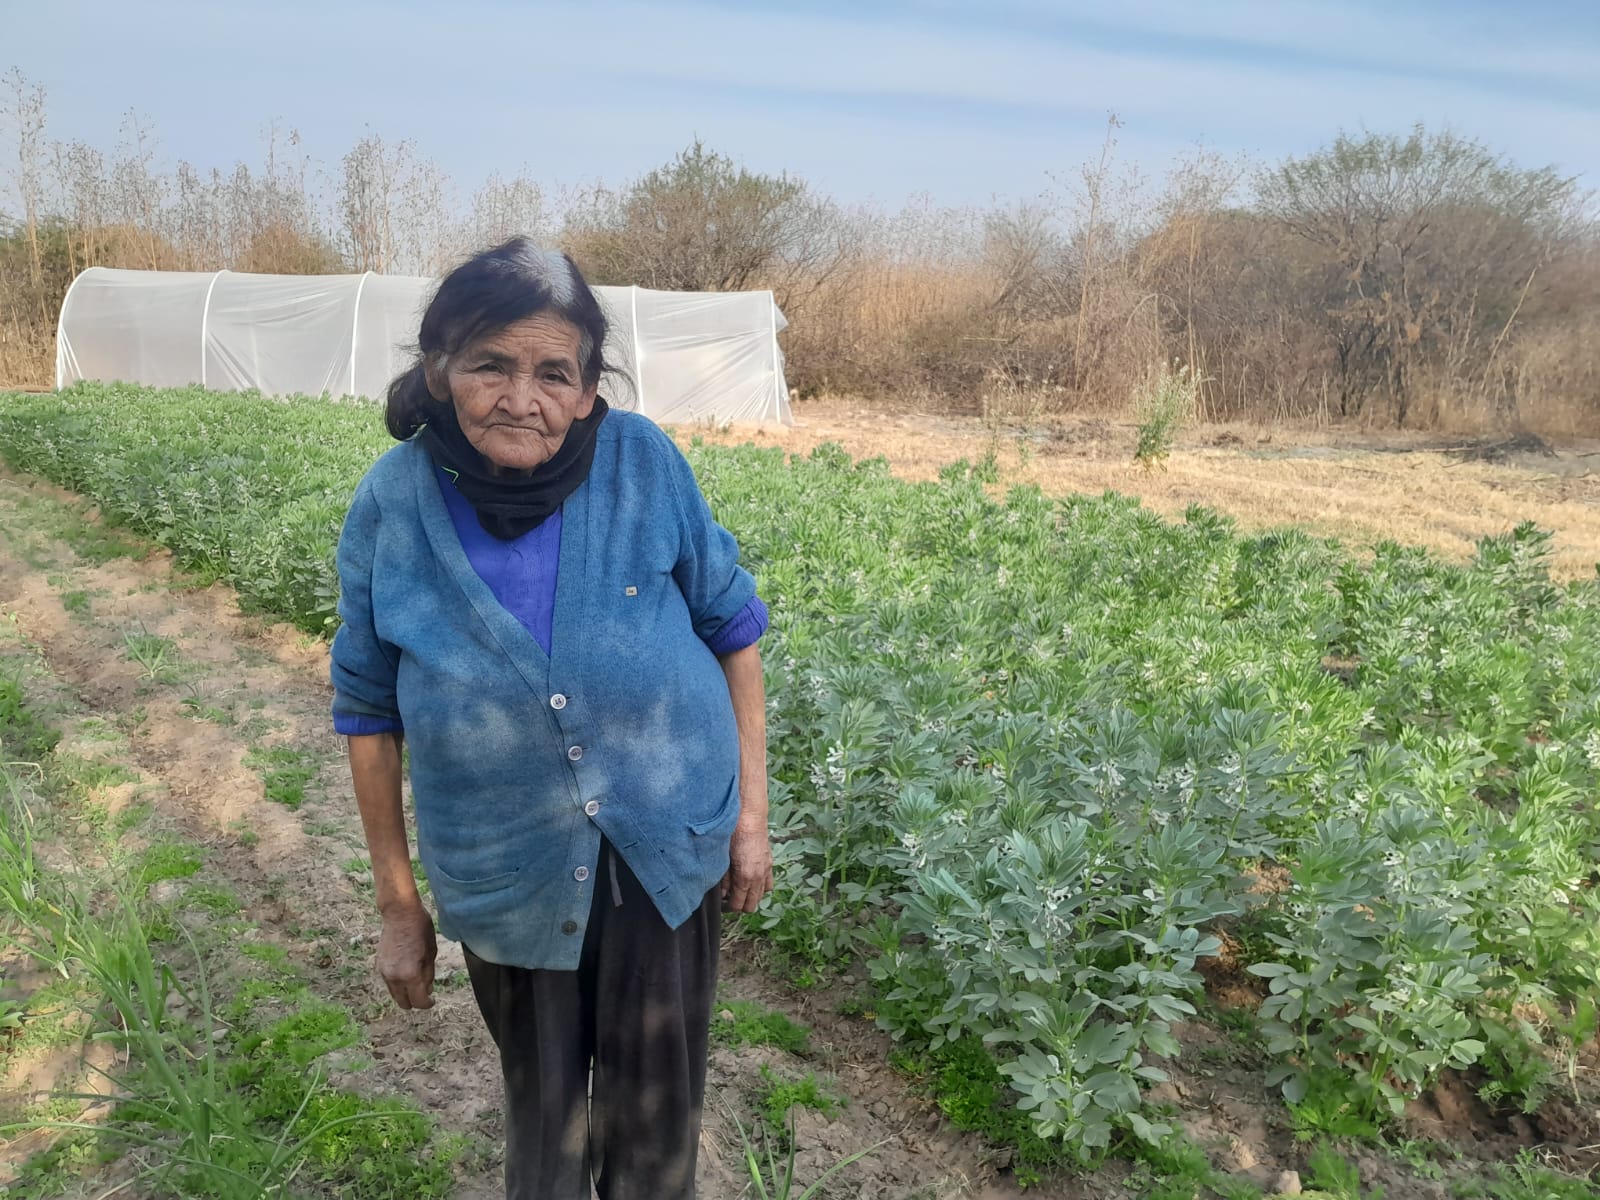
column 636, row 1013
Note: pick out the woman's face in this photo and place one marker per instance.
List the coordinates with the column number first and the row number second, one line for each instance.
column 517, row 390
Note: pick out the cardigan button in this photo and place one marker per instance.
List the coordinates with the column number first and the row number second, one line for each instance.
column 581, row 874
column 558, row 702
column 569, row 927
column 575, row 754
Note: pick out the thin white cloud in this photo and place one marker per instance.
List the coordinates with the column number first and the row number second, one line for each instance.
column 876, row 56
column 1258, row 104
column 1546, row 48
column 863, row 104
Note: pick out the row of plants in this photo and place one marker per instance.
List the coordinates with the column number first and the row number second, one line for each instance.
column 219, row 1081
column 1034, row 759
column 1043, row 757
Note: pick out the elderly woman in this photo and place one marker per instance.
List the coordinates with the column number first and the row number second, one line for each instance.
column 536, row 598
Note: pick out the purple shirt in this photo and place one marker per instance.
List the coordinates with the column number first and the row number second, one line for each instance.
column 522, row 575
column 522, row 572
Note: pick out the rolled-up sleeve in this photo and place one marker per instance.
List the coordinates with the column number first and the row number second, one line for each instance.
column 362, row 666
column 743, row 631
column 715, row 587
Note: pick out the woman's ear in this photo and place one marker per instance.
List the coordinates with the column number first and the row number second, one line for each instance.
column 433, row 370
column 586, row 402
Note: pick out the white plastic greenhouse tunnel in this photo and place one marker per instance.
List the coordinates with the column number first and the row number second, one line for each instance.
column 687, row 356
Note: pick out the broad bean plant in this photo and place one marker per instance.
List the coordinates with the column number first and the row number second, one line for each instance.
column 1036, row 762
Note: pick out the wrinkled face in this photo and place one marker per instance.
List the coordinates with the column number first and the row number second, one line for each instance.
column 517, row 390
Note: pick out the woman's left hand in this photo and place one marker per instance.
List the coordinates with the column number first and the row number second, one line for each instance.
column 749, row 876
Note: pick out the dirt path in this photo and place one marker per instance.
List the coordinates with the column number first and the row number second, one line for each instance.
column 227, row 691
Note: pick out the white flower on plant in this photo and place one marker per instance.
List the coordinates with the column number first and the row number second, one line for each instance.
column 836, row 767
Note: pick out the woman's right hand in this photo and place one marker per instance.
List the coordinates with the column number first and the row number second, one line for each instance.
column 406, row 952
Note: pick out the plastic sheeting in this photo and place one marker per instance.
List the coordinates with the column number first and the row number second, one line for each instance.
column 685, row 356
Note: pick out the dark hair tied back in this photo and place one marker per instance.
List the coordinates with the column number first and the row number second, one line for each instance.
column 486, row 293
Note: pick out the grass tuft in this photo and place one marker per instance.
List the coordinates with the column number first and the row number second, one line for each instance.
column 746, row 1023
column 284, row 773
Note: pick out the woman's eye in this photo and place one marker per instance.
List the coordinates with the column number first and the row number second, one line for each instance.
column 489, row 368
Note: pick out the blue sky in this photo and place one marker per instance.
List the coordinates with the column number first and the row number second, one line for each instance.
column 873, row 102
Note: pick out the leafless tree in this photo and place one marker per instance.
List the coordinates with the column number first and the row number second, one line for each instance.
column 1420, row 241
column 24, row 112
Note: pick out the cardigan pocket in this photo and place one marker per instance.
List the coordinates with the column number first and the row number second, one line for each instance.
column 710, row 840
column 723, row 819
column 489, row 883
column 474, row 908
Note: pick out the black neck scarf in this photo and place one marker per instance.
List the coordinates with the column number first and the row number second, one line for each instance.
column 508, row 506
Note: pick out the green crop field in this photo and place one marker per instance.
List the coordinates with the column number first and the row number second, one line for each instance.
column 1048, row 772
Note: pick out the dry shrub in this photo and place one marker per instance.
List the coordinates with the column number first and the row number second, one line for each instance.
column 281, row 249
column 881, row 330
column 1557, row 379
column 27, row 355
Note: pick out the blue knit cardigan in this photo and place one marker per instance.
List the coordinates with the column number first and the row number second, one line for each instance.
column 520, row 760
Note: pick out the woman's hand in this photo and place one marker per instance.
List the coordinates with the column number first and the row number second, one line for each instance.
column 406, row 952
column 749, row 876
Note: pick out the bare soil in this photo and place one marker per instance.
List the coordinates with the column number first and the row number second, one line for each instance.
column 1359, row 486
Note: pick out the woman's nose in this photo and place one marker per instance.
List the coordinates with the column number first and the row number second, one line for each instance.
column 519, row 394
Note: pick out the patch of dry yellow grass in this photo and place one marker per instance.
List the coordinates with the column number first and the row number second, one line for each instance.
column 1360, row 490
